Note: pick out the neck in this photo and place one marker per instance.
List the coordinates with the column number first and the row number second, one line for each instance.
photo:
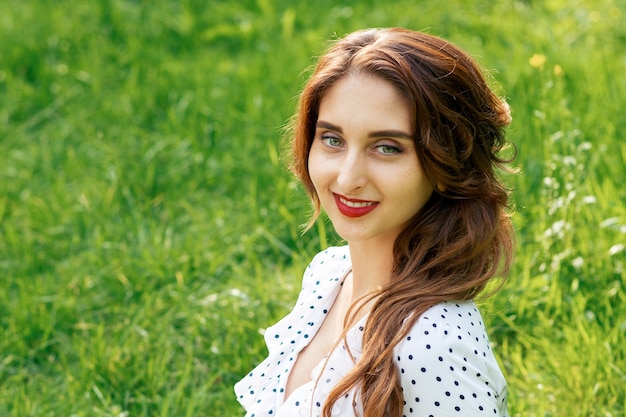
column 371, row 267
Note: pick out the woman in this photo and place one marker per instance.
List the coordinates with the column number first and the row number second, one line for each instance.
column 396, row 138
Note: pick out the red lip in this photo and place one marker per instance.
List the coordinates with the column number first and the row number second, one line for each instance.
column 349, row 211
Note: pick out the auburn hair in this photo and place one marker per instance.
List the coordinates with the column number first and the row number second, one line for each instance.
column 462, row 237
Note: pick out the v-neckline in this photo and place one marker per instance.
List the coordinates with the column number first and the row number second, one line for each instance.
column 335, row 293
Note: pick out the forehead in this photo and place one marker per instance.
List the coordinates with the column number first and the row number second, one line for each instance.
column 366, row 101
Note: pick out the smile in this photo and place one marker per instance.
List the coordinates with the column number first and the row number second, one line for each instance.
column 354, row 208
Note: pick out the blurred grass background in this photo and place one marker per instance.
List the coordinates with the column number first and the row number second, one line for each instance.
column 149, row 229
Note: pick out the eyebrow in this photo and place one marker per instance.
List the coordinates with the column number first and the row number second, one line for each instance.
column 389, row 133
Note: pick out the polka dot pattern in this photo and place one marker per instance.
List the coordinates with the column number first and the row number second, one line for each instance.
column 445, row 363
column 447, row 367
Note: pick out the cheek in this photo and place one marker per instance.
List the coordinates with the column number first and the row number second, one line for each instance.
column 421, row 189
column 311, row 163
column 316, row 167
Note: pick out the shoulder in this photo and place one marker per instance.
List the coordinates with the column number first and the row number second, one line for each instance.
column 456, row 326
column 329, row 265
column 446, row 363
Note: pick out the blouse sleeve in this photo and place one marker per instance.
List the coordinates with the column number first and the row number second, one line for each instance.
column 447, row 368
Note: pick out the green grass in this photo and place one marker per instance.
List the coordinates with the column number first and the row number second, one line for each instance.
column 149, row 228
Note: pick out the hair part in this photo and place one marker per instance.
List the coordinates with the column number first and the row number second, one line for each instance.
column 462, row 238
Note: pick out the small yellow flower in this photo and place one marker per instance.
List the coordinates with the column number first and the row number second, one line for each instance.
column 558, row 71
column 537, row 60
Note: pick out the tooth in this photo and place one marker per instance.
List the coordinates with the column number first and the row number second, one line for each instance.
column 356, row 204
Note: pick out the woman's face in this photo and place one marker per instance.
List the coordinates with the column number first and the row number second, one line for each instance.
column 363, row 161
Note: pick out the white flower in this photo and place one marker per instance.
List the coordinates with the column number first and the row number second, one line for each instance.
column 558, row 228
column 615, row 249
column 578, row 262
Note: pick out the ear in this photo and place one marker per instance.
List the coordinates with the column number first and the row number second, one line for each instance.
column 440, row 187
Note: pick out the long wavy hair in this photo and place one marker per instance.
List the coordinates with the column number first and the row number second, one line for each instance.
column 462, row 238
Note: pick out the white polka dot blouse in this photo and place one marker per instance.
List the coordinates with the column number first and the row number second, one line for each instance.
column 445, row 362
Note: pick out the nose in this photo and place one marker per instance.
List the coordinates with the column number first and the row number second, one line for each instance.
column 352, row 172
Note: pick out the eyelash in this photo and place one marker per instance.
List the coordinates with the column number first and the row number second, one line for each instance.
column 327, row 138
